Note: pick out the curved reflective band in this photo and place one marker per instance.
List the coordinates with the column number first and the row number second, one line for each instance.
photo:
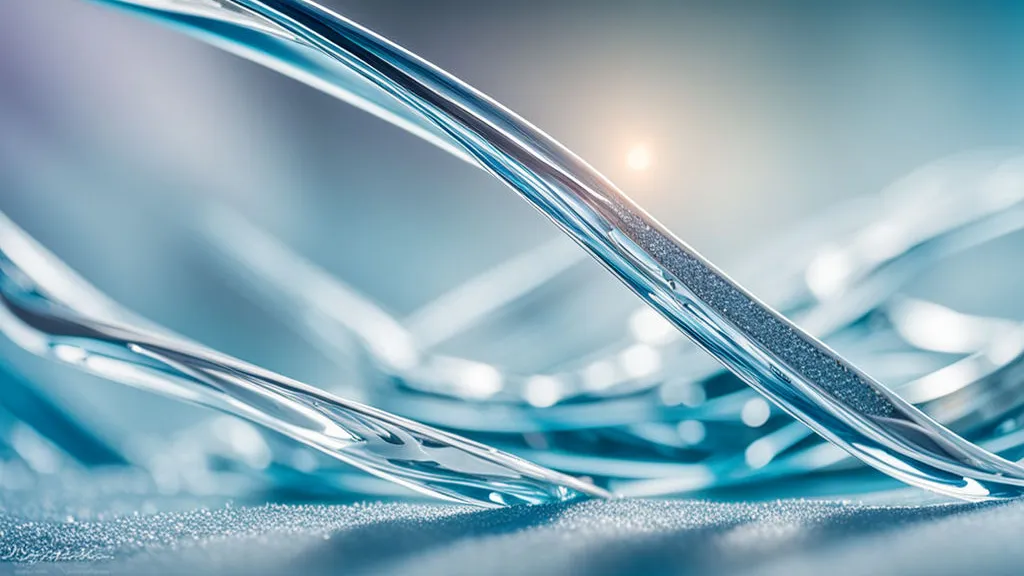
column 861, row 278
column 790, row 367
column 50, row 311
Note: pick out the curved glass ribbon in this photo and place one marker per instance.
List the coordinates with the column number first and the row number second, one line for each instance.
column 970, row 393
column 861, row 282
column 764, row 349
column 48, row 310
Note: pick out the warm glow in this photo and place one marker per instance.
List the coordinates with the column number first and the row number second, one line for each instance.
column 639, row 158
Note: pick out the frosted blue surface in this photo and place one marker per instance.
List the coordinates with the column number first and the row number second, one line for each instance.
column 594, row 537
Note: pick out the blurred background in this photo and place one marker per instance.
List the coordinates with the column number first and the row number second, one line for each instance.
column 731, row 122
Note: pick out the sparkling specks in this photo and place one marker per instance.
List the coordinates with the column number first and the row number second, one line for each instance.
column 805, row 358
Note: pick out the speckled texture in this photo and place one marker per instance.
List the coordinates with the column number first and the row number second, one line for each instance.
column 595, row 537
column 812, row 362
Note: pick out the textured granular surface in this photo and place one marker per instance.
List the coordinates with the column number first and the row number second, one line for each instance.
column 144, row 534
column 809, row 360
